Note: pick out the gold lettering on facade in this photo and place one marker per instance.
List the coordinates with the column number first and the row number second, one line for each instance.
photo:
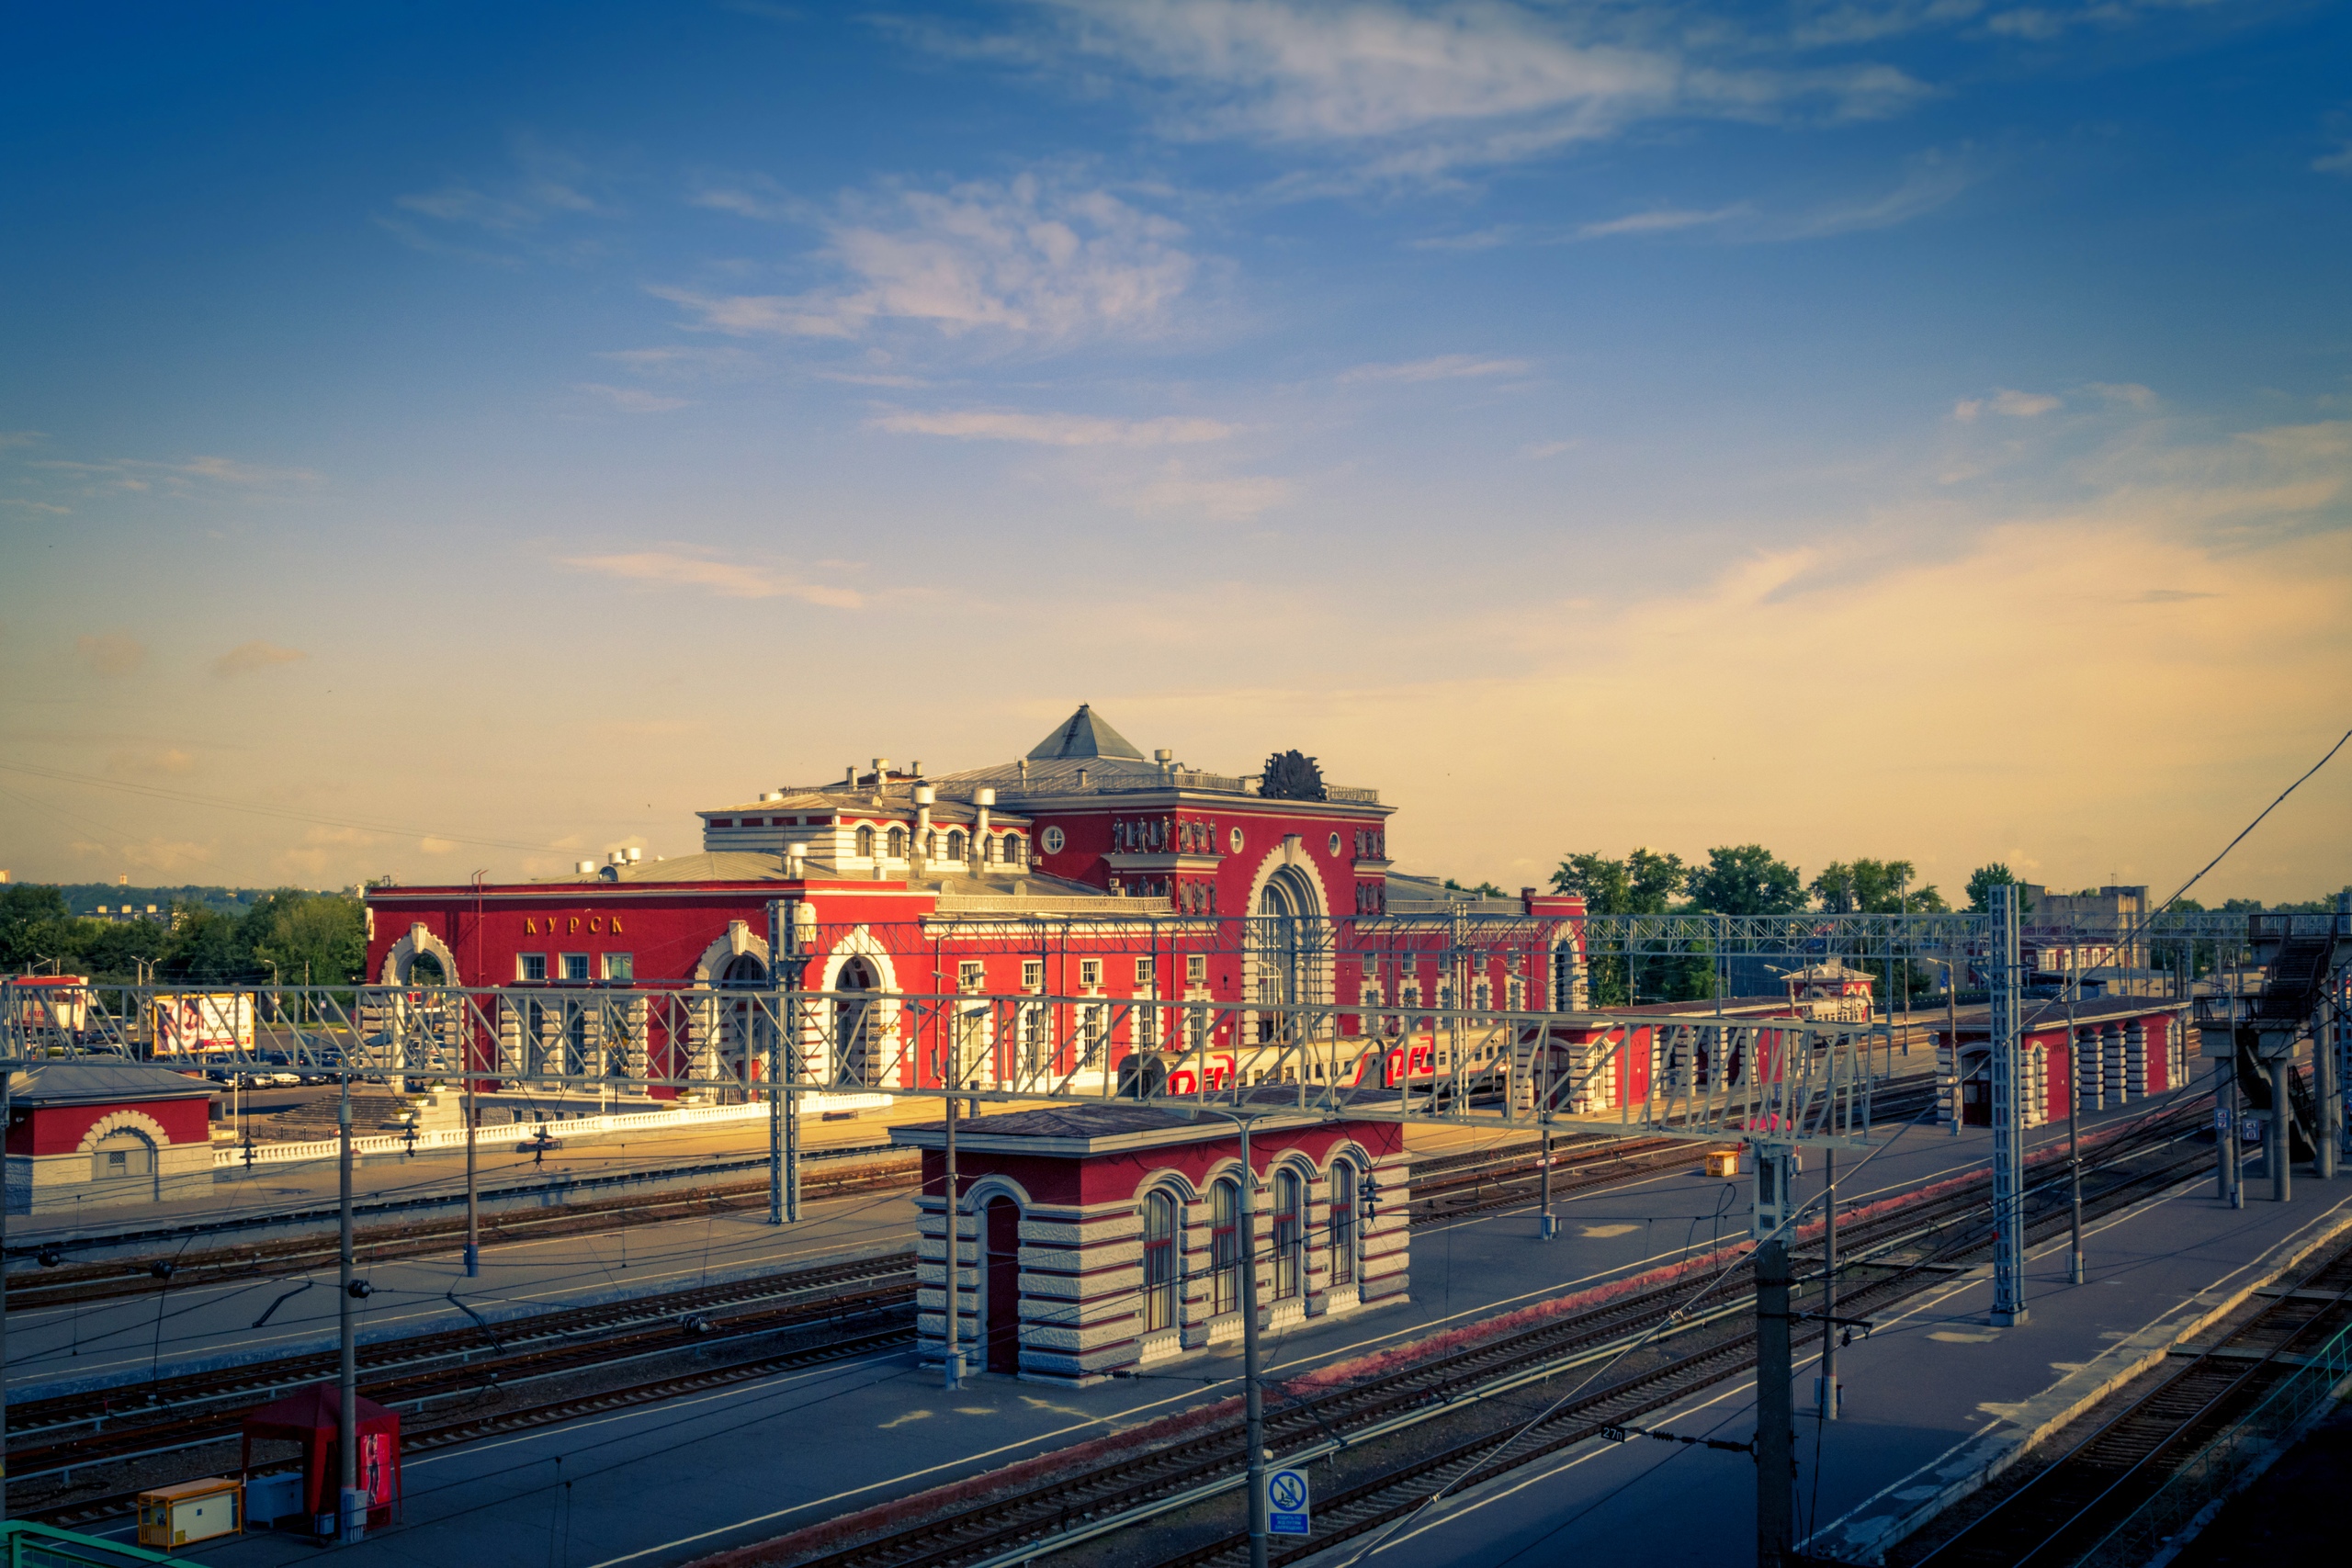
column 574, row 926
column 528, row 927
column 594, row 926
column 616, row 925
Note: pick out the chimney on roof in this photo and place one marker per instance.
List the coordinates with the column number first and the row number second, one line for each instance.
column 850, row 779
column 925, row 797
column 586, row 868
column 1081, row 778
column 795, row 861
column 916, row 767
column 981, row 800
column 1166, row 758
column 1024, row 766
column 634, row 854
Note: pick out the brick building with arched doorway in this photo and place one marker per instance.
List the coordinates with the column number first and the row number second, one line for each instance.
column 86, row 1133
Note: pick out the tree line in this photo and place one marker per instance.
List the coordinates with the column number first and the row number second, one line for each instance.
column 287, row 936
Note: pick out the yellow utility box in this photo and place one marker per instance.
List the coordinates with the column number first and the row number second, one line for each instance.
column 191, row 1511
column 1723, row 1162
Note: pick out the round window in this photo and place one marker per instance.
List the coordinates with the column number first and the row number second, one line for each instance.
column 1053, row 840
column 1335, row 844
column 1234, row 839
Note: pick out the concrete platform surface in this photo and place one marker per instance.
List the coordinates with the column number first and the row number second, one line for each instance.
column 666, row 1483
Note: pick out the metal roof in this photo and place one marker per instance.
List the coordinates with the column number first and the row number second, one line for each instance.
column 84, row 1080
column 1085, row 735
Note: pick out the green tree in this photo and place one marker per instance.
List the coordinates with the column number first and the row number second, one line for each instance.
column 1643, row 883
column 1746, row 879
column 1984, row 879
column 323, row 935
column 27, row 907
column 207, row 948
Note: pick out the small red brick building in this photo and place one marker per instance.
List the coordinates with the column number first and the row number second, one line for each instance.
column 86, row 1133
column 1096, row 1238
column 2127, row 1048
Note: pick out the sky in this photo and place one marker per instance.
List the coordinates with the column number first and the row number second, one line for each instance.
column 448, row 438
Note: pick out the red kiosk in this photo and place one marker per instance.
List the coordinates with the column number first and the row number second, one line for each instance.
column 312, row 1417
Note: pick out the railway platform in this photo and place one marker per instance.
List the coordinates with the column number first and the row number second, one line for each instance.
column 1935, row 1401
column 677, row 1481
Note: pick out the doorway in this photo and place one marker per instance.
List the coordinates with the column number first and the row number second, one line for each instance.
column 1003, row 1289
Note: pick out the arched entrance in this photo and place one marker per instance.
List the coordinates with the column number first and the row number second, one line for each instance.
column 1001, row 1303
column 857, row 1025
column 1285, row 940
column 745, row 1030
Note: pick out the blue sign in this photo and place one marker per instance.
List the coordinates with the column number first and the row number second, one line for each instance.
column 1286, row 1502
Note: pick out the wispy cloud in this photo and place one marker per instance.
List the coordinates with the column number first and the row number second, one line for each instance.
column 2336, row 162
column 1218, row 498
column 2131, row 394
column 111, row 653
column 248, row 657
column 1444, row 368
column 2015, row 404
column 1541, row 449
column 1933, row 179
column 1417, row 92
column 683, row 567
column 1053, row 429
column 2168, row 596
column 140, row 473
column 1662, row 221
column 30, row 505
column 630, row 400
column 10, row 439
column 1036, row 259
column 505, row 218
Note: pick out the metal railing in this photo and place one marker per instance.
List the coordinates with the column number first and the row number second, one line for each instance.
column 2218, row 1468
column 1791, row 1077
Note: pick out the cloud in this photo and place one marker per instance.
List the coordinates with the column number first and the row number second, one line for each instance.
column 542, row 184
column 112, row 653
column 1054, row 429
column 1236, row 498
column 2336, row 162
column 2129, row 393
column 1933, row 179
column 1661, row 221
column 682, row 567
column 49, row 506
column 2168, row 596
column 2017, row 405
column 432, row 846
column 631, row 399
column 170, row 760
column 1415, row 93
column 140, row 473
column 1444, row 367
column 248, row 657
column 1540, row 449
column 11, row 439
column 1035, row 257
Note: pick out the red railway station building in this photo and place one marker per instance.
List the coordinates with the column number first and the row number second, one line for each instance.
column 1082, row 870
column 1095, row 1239
column 2125, row 1049
column 89, row 1132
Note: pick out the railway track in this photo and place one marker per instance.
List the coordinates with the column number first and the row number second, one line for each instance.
column 2064, row 1509
column 72, row 1431
column 1707, row 1345
column 66, row 1284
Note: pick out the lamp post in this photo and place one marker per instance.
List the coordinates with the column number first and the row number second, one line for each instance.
column 1252, row 1394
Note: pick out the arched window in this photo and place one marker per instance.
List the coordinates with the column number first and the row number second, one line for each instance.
column 1290, row 1233
column 1343, row 1223
column 898, row 843
column 988, row 850
column 956, row 846
column 1224, row 1247
column 931, row 846
column 865, row 842
column 1162, row 1284
column 1016, row 848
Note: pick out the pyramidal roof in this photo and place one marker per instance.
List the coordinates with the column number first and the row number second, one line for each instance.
column 1083, row 735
